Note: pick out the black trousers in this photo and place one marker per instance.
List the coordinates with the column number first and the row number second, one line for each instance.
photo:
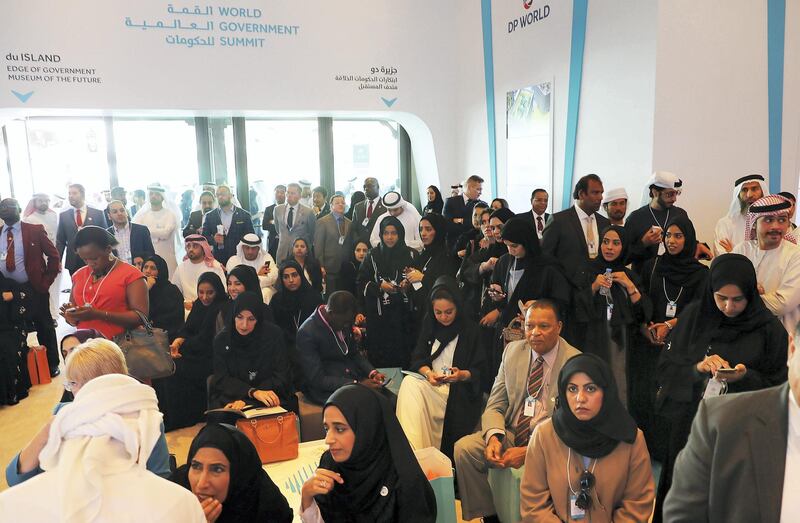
column 40, row 320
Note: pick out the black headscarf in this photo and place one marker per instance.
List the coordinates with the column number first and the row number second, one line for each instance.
column 446, row 287
column 381, row 457
column 220, row 295
column 436, row 205
column 521, row 231
column 681, row 269
column 437, row 247
column 252, row 495
column 163, row 270
column 249, row 278
column 392, row 260
column 600, row 435
column 600, row 264
column 286, row 304
column 251, row 344
column 498, row 248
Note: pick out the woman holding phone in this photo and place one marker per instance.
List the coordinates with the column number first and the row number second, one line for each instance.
column 726, row 340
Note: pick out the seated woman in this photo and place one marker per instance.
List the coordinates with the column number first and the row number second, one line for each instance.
column 588, row 462
column 224, row 471
column 445, row 406
column 93, row 358
column 729, row 327
column 107, row 292
column 68, row 344
column 302, row 254
column 369, row 472
column 241, row 278
column 609, row 307
column 14, row 378
column 184, row 396
column 295, row 300
column 166, row 300
column 349, row 271
column 250, row 361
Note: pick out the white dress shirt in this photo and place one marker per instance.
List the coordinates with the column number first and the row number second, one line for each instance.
column 790, row 503
column 585, row 221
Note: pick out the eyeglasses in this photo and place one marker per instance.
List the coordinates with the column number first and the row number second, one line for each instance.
column 584, row 500
column 68, row 385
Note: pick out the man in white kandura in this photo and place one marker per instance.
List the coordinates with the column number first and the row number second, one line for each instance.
column 249, row 252
column 729, row 231
column 408, row 216
column 198, row 259
column 163, row 223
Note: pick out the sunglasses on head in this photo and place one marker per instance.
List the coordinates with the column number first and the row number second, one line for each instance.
column 584, row 500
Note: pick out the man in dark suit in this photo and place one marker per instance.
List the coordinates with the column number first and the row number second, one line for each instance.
column 28, row 257
column 319, row 199
column 742, row 460
column 537, row 215
column 71, row 220
column 195, row 224
column 135, row 244
column 118, row 194
column 366, row 212
column 268, row 223
column 235, row 222
column 458, row 209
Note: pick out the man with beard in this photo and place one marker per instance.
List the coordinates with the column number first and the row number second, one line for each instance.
column 729, row 231
column 777, row 261
column 72, row 220
column 195, row 225
column 224, row 226
column 197, row 261
column 268, row 223
column 163, row 224
column 615, row 203
column 29, row 258
column 38, row 212
column 134, row 240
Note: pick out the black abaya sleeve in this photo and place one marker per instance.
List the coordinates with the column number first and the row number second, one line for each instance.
column 275, row 373
column 225, row 386
column 771, row 369
column 166, row 310
column 365, row 281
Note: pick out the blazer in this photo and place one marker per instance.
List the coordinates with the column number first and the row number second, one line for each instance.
column 42, row 262
column 563, row 239
column 624, row 491
column 268, row 224
column 141, row 243
column 241, row 224
column 303, row 225
column 67, row 229
column 528, row 215
column 511, row 385
column 195, row 223
column 454, row 207
column 329, row 253
column 732, row 467
column 361, row 232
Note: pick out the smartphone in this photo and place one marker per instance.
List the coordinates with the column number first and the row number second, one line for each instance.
column 726, row 372
column 266, row 263
column 72, row 309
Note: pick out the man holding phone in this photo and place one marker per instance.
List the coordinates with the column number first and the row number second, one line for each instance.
column 250, row 252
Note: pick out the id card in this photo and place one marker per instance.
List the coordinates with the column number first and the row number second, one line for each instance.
column 530, row 407
column 341, row 240
column 3, row 256
column 365, row 222
column 714, row 388
column 661, row 249
column 417, row 285
column 672, row 309
column 609, row 311
column 575, row 512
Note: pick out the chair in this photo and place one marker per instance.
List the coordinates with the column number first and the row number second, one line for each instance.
column 310, row 419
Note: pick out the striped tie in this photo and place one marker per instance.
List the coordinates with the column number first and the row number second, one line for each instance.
column 522, row 431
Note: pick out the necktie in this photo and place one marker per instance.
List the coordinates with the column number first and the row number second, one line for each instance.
column 78, row 218
column 539, row 224
column 522, row 431
column 590, row 237
column 290, row 218
column 369, row 210
column 11, row 263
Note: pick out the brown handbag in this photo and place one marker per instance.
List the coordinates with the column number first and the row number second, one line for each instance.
column 274, row 436
column 514, row 331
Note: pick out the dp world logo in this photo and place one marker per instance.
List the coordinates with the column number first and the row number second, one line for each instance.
column 527, row 4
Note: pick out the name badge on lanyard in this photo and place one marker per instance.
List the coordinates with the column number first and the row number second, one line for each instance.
column 531, row 405
column 672, row 309
column 365, row 222
column 609, row 311
column 575, row 512
column 341, row 240
column 661, row 249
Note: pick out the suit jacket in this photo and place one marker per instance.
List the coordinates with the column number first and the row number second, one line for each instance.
column 67, row 229
column 454, row 207
column 241, row 224
column 732, row 467
column 42, row 262
column 360, row 232
column 329, row 253
column 326, row 210
column 195, row 223
column 511, row 386
column 528, row 215
column 564, row 239
column 141, row 243
column 303, row 226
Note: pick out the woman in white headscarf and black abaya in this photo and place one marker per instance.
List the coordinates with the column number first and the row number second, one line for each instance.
column 387, row 304
column 369, row 474
column 589, row 462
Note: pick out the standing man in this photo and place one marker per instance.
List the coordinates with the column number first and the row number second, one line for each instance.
column 793, row 200
column 224, row 226
column 38, row 212
column 30, row 259
column 292, row 220
column 268, row 223
column 615, row 203
column 729, row 231
column 138, row 201
column 573, row 235
column 207, row 203
column 305, row 193
column 366, row 213
column 458, row 209
column 646, row 225
column 118, row 194
column 331, row 245
column 319, row 198
column 777, row 261
column 407, row 214
column 537, row 214
column 162, row 223
column 523, row 395
column 249, row 252
column 71, row 220
column 134, row 240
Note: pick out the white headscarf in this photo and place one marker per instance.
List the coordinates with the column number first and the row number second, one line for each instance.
column 252, row 240
column 662, row 179
column 110, row 428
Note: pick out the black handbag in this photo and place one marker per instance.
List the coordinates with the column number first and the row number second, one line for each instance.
column 146, row 351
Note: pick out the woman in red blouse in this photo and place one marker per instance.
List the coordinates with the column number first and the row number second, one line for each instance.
column 107, row 291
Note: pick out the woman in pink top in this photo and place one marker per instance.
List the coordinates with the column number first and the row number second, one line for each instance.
column 107, row 291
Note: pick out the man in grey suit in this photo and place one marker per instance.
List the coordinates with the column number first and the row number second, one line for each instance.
column 331, row 242
column 71, row 220
column 523, row 395
column 742, row 460
column 292, row 220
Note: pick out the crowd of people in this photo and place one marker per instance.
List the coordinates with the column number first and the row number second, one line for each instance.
column 524, row 338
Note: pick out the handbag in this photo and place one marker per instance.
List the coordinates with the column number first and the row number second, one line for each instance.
column 38, row 368
column 274, row 436
column 514, row 331
column 146, row 351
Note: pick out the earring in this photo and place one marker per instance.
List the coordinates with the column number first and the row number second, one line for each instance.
column 110, row 257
